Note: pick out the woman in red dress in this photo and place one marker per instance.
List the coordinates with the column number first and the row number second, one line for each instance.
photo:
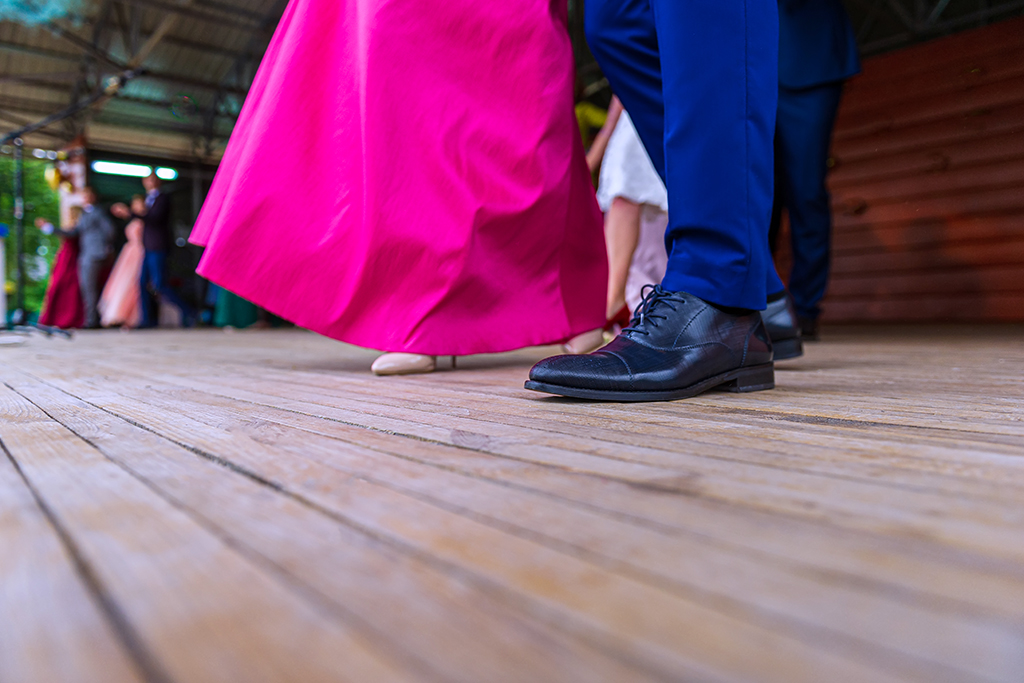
column 62, row 306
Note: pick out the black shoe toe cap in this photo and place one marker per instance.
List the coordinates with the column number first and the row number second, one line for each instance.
column 595, row 370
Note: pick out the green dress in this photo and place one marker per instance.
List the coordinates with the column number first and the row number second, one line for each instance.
column 234, row 311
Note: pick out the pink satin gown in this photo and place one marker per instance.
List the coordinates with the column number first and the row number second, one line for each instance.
column 408, row 176
column 119, row 303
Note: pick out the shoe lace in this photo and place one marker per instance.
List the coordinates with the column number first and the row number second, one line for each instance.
column 646, row 313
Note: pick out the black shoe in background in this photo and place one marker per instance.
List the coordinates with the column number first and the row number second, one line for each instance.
column 780, row 320
column 677, row 346
column 809, row 328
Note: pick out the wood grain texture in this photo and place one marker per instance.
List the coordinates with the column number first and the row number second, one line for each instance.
column 928, row 184
column 52, row 627
column 257, row 504
column 357, row 576
column 200, row 611
column 962, row 56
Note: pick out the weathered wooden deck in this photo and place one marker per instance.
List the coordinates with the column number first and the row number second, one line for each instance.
column 208, row 507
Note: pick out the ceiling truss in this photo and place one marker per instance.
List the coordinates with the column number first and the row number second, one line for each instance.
column 89, row 53
column 883, row 25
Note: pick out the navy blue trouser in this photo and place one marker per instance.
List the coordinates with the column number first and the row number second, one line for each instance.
column 700, row 81
column 803, row 135
column 154, row 272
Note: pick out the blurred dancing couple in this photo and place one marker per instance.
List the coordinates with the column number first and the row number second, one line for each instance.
column 409, row 177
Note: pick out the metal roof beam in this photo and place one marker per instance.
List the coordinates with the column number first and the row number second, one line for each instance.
column 74, row 124
column 54, row 86
column 155, row 75
column 201, row 47
column 50, row 53
column 267, row 22
column 936, row 12
column 923, row 19
column 40, row 51
column 90, row 48
column 37, row 107
column 46, row 81
column 902, row 14
column 165, row 26
column 211, row 12
column 188, row 82
column 130, row 26
column 869, row 20
column 978, row 17
column 21, row 122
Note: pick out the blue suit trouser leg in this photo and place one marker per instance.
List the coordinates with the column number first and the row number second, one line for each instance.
column 803, row 137
column 148, row 314
column 700, row 81
column 156, row 262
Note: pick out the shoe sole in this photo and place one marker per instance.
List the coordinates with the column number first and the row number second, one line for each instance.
column 742, row 380
column 787, row 349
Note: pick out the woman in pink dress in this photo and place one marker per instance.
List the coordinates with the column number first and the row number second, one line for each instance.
column 408, row 176
column 120, row 303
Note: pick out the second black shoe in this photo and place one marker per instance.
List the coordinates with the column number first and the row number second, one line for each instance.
column 781, row 322
column 676, row 346
column 809, row 328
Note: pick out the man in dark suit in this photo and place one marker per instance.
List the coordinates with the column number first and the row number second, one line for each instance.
column 156, row 239
column 817, row 53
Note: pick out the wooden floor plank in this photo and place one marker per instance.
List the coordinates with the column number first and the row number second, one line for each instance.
column 805, row 602
column 52, row 627
column 876, row 452
column 900, row 562
column 991, row 528
column 860, row 522
column 202, row 612
column 217, row 433
column 482, row 638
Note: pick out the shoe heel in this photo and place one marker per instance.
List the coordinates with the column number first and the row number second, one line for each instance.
column 788, row 348
column 757, row 378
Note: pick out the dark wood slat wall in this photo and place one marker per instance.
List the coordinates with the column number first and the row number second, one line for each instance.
column 928, row 184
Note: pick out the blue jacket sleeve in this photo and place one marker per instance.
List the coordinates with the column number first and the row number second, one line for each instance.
column 817, row 44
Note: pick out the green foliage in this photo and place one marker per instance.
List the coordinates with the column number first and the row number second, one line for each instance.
column 40, row 200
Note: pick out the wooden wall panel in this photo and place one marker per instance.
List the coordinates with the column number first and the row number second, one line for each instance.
column 928, row 184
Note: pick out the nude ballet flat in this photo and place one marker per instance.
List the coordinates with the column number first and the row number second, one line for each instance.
column 416, row 364
column 403, row 364
column 585, row 343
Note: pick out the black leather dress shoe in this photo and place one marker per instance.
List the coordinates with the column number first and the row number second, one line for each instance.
column 809, row 328
column 781, row 322
column 676, row 346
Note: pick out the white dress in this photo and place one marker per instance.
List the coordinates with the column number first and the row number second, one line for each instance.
column 627, row 172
